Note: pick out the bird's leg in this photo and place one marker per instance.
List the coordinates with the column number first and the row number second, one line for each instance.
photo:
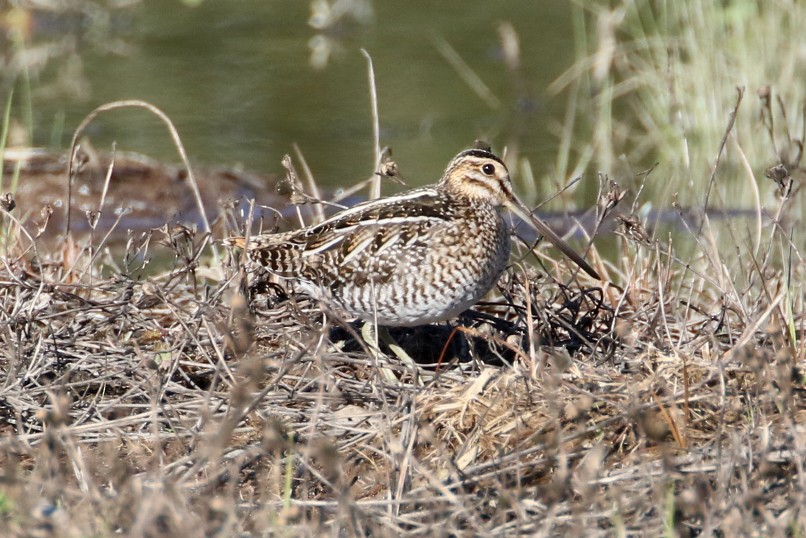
column 371, row 338
column 400, row 353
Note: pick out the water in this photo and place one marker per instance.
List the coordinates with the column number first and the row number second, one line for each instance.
column 237, row 80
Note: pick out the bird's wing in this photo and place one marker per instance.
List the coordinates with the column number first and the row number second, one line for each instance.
column 365, row 235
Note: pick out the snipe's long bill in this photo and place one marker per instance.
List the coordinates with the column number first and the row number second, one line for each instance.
column 419, row 257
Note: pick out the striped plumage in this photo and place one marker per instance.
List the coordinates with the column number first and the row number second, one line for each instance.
column 419, row 257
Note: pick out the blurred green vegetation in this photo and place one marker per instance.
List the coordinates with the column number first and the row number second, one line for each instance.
column 568, row 89
column 656, row 82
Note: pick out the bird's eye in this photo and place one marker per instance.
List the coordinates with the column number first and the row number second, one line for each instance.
column 488, row 169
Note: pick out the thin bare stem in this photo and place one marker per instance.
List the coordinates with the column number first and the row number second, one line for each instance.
column 375, row 186
column 136, row 103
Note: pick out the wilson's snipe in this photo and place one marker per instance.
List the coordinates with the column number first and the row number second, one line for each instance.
column 419, row 257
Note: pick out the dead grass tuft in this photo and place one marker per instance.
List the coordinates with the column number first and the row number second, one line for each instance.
column 668, row 400
column 168, row 405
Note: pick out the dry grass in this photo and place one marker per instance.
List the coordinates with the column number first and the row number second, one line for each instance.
column 669, row 402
